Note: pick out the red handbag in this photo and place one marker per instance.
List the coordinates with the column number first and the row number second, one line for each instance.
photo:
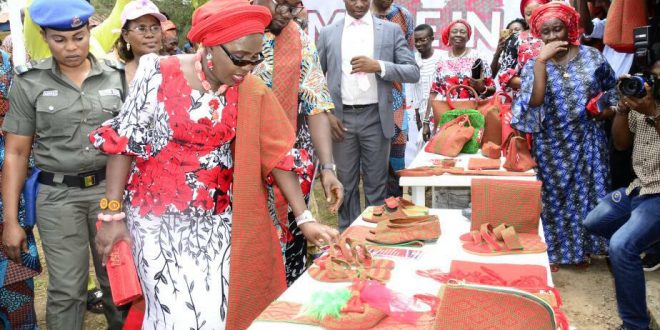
column 492, row 115
column 491, row 150
column 451, row 138
column 122, row 274
column 441, row 106
column 518, row 156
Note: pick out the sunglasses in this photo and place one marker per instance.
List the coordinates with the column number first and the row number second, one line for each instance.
column 283, row 9
column 242, row 62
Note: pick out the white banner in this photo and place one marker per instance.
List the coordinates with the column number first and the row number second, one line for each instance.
column 487, row 17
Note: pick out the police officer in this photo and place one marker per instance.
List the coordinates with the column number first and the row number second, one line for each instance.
column 57, row 102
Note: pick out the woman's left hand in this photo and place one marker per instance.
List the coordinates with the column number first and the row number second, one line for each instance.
column 319, row 234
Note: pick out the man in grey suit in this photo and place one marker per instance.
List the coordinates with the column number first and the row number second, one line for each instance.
column 361, row 56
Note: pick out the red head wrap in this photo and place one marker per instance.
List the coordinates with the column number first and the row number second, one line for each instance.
column 445, row 31
column 221, row 21
column 560, row 11
column 525, row 3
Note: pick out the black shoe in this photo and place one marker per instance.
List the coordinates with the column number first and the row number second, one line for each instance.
column 651, row 262
column 621, row 327
column 95, row 301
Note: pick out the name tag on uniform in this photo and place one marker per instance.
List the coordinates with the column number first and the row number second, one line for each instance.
column 109, row 92
column 50, row 93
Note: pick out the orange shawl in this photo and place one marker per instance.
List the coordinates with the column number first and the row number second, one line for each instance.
column 264, row 136
column 286, row 85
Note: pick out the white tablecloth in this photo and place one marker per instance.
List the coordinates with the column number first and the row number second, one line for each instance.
column 423, row 158
column 404, row 279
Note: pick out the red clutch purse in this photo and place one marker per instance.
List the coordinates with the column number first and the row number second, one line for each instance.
column 122, row 274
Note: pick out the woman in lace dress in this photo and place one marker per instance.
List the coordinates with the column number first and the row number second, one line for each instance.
column 204, row 135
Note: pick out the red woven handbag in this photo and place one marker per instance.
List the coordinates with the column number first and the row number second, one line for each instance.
column 491, row 150
column 492, row 115
column 451, row 138
column 465, row 306
column 514, row 202
column 518, row 156
column 441, row 106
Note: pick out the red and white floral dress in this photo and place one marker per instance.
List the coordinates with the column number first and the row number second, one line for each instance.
column 452, row 71
column 179, row 194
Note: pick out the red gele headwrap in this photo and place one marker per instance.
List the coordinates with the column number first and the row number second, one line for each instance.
column 445, row 31
column 560, row 11
column 221, row 21
column 525, row 3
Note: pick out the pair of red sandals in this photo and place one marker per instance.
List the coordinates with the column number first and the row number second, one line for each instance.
column 501, row 240
column 349, row 260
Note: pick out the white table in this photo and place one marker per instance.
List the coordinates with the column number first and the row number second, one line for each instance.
column 404, row 279
column 423, row 158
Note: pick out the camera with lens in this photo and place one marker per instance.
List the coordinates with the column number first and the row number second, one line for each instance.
column 647, row 52
column 633, row 86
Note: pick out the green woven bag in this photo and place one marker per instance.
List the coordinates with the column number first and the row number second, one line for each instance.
column 476, row 119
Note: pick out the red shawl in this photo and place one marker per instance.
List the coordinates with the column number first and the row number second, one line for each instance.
column 264, row 136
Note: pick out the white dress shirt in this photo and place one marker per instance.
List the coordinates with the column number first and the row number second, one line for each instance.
column 358, row 40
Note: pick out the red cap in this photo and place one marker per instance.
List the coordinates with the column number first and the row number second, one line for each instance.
column 221, row 21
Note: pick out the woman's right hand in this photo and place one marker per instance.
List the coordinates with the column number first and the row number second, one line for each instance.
column 107, row 235
column 14, row 240
column 551, row 49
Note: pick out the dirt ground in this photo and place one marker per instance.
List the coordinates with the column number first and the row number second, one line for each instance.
column 588, row 294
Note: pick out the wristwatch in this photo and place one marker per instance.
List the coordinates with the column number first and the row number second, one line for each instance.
column 330, row 167
column 652, row 120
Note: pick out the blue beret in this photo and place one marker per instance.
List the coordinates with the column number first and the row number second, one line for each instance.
column 63, row 15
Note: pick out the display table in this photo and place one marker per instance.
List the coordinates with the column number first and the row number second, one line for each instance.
column 423, row 158
column 404, row 279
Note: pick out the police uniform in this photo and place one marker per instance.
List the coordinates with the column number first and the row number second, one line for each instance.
column 60, row 115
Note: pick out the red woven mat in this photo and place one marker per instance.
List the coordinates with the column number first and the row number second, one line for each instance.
column 516, row 203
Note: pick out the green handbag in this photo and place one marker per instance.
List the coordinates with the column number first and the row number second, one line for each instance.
column 476, row 119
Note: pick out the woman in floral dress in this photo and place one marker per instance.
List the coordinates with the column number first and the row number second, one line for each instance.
column 455, row 68
column 204, row 135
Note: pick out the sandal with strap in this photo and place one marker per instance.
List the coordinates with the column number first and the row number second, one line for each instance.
column 504, row 240
column 363, row 256
column 354, row 253
column 337, row 270
column 394, row 208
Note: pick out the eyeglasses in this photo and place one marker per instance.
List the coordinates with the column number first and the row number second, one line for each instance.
column 242, row 62
column 284, row 9
column 141, row 29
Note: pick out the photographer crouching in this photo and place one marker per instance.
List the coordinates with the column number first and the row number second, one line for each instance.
column 630, row 217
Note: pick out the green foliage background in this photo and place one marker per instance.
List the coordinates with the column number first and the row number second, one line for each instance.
column 179, row 11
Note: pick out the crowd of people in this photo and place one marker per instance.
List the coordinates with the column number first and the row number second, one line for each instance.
column 204, row 158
